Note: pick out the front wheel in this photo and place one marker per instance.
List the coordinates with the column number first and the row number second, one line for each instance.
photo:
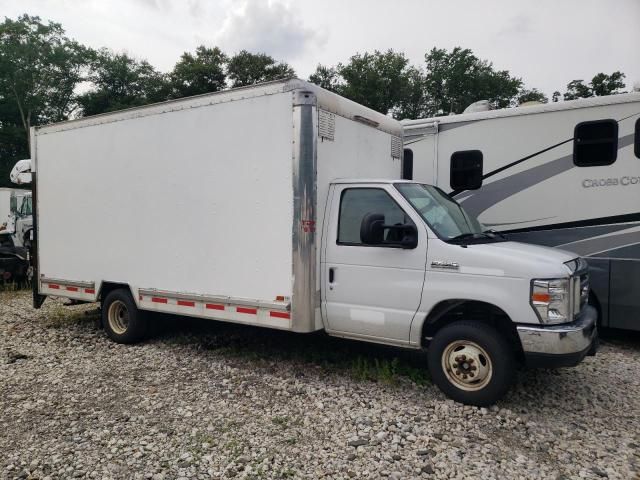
column 121, row 319
column 471, row 363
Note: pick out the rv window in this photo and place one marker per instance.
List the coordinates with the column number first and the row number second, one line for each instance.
column 595, row 143
column 466, row 170
column 407, row 164
column 636, row 147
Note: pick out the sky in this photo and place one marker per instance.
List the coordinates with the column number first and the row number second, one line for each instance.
column 547, row 43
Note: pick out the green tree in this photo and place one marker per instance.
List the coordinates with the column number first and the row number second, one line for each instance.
column 13, row 145
column 39, row 71
column 556, row 96
column 382, row 81
column 247, row 68
column 456, row 79
column 577, row 89
column 119, row 81
column 601, row 84
column 531, row 95
column 202, row 72
column 327, row 78
column 413, row 101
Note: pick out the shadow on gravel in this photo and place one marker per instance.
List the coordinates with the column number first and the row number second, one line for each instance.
column 620, row 338
column 364, row 361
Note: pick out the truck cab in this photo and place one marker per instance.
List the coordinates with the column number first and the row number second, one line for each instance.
column 20, row 221
column 15, row 236
column 403, row 263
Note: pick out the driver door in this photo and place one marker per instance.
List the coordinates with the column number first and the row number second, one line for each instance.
column 370, row 291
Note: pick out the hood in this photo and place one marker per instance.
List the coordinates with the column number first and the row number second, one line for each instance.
column 515, row 259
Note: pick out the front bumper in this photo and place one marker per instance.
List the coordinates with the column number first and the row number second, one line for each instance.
column 566, row 345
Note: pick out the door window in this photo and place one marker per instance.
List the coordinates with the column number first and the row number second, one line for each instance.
column 355, row 203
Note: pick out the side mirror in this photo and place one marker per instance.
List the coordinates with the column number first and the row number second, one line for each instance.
column 372, row 229
column 372, row 232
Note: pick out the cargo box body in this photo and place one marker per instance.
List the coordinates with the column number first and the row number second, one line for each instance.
column 206, row 206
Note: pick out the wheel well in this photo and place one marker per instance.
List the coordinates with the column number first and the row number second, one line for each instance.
column 108, row 287
column 449, row 311
column 595, row 302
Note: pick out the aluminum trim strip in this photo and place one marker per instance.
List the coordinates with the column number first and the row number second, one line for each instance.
column 71, row 283
column 284, row 307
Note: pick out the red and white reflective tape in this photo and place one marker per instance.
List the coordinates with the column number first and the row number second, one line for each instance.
column 228, row 308
column 80, row 288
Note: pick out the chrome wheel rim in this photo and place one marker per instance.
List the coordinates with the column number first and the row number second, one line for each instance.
column 118, row 317
column 467, row 365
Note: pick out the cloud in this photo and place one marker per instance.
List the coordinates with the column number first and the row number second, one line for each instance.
column 520, row 24
column 272, row 28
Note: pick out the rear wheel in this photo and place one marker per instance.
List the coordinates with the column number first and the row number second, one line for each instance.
column 122, row 320
column 471, row 363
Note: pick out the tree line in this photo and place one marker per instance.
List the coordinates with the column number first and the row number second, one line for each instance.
column 47, row 77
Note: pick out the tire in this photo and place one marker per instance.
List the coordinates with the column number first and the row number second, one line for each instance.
column 493, row 358
column 121, row 319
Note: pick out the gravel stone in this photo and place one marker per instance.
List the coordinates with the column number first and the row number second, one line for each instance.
column 203, row 400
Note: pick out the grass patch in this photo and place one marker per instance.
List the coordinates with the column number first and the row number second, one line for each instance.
column 282, row 422
column 362, row 361
column 14, row 287
column 63, row 317
column 386, row 371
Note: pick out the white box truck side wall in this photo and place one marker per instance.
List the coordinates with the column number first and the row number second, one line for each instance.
column 184, row 201
column 209, row 206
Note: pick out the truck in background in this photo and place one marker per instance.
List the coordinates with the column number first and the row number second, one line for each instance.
column 291, row 215
column 15, row 233
column 563, row 174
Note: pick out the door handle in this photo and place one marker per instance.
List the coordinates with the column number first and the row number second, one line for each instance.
column 332, row 274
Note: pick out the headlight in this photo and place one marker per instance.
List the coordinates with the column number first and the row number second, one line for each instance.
column 551, row 300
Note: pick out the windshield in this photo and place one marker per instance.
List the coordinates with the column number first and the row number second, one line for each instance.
column 26, row 207
column 443, row 214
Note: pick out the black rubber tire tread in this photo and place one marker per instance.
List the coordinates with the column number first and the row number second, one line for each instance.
column 502, row 358
column 137, row 327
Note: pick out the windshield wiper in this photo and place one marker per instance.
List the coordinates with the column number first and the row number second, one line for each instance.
column 463, row 236
column 495, row 233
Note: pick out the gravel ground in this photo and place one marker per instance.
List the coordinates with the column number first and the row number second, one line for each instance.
column 208, row 400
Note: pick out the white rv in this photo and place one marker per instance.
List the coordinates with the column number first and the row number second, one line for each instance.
column 562, row 174
column 277, row 222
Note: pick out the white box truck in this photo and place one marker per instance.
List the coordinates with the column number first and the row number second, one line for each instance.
column 562, row 174
column 287, row 212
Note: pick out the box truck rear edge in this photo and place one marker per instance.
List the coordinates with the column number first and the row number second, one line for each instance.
column 279, row 205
